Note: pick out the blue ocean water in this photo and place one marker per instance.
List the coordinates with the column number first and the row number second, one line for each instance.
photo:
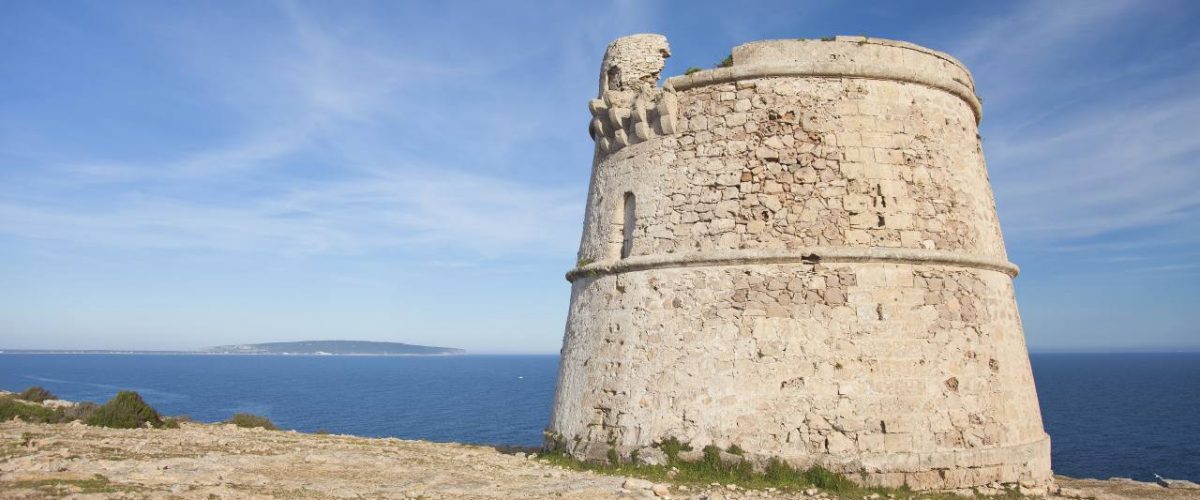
column 1121, row 415
column 1129, row 415
column 474, row 399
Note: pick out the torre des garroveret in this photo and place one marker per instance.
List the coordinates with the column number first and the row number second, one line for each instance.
column 798, row 254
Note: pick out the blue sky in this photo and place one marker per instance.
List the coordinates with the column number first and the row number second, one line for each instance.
column 177, row 175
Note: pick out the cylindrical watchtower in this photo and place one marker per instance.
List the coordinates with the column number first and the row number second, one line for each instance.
column 798, row 254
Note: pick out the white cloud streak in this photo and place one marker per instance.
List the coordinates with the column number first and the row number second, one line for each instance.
column 332, row 101
column 1083, row 161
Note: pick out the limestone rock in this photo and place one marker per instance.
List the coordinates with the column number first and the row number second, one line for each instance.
column 634, row 483
column 652, row 456
column 1181, row 484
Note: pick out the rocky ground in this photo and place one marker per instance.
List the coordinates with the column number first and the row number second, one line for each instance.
column 223, row 461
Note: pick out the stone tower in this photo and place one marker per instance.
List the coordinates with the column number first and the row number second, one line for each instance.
column 798, row 254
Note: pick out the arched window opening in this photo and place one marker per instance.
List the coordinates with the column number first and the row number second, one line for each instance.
column 630, row 225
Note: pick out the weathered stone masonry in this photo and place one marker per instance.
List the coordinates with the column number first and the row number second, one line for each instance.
column 798, row 254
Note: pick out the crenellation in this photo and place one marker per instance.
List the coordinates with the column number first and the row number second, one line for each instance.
column 815, row 270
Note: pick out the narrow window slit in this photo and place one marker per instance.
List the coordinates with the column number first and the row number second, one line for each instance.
column 630, row 225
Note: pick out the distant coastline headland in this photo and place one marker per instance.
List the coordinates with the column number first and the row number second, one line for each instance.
column 300, row 348
column 336, row 347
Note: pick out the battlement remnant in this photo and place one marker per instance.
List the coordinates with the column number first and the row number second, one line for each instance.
column 798, row 255
column 631, row 107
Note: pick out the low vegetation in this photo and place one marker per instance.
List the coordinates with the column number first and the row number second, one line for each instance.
column 80, row 411
column 710, row 467
column 250, row 421
column 726, row 62
column 36, row 394
column 126, row 410
column 691, row 70
column 64, row 487
column 11, row 407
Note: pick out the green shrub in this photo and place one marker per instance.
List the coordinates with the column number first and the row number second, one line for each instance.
column 250, row 421
column 823, row 478
column 711, row 469
column 726, row 62
column 11, row 408
column 173, row 422
column 36, row 394
column 691, row 70
column 126, row 410
column 712, row 466
column 81, row 411
column 671, row 447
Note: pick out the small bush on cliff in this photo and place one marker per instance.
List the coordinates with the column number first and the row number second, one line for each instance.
column 36, row 394
column 726, row 62
column 691, row 70
column 248, row 420
column 173, row 422
column 126, row 410
column 81, row 411
column 11, row 408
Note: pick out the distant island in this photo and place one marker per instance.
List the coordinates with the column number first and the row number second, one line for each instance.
column 303, row 348
column 336, row 347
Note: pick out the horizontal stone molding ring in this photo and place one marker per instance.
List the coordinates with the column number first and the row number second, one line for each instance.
column 830, row 70
column 810, row 255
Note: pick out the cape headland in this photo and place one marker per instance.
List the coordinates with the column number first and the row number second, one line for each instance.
column 335, row 347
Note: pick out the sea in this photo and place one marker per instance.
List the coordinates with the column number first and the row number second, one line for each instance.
column 1108, row 415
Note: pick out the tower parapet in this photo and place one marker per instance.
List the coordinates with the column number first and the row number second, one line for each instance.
column 799, row 255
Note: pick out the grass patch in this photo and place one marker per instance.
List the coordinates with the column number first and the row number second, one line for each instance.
column 36, row 394
column 126, row 410
column 726, row 62
column 671, row 448
column 11, row 408
column 250, row 421
column 96, row 484
column 711, row 469
column 691, row 70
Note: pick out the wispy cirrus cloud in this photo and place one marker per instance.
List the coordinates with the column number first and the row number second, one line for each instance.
column 1090, row 138
column 337, row 145
column 419, row 213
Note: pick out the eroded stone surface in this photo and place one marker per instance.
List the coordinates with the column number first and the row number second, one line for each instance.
column 911, row 370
